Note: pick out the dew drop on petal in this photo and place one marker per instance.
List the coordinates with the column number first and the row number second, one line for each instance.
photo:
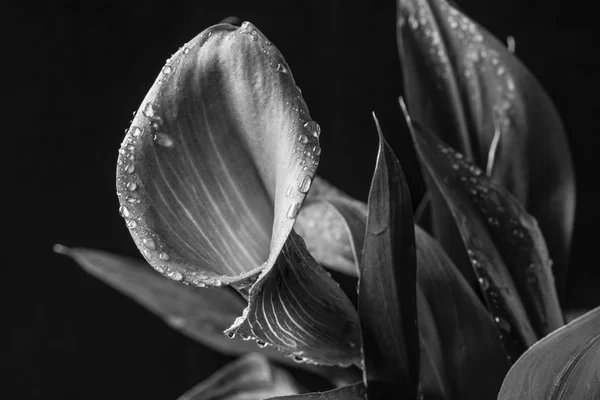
column 503, row 324
column 130, row 168
column 124, row 211
column 317, row 150
column 164, row 140
column 163, row 256
column 293, row 211
column 149, row 111
column 131, row 186
column 167, row 69
column 149, row 244
column 261, row 343
column 289, row 191
column 136, row 131
column 175, row 275
column 305, row 184
column 303, row 138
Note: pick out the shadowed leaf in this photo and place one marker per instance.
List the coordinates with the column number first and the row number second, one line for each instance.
column 350, row 392
column 201, row 314
column 506, row 248
column 563, row 365
column 461, row 355
column 332, row 224
column 387, row 284
column 465, row 85
column 248, row 378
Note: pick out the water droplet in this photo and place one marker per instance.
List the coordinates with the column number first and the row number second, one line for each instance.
column 149, row 110
column 305, row 184
column 254, row 35
column 124, row 211
column 485, row 285
column 503, row 324
column 455, row 167
column 475, row 170
column 293, row 211
column 299, row 359
column 130, row 168
column 230, row 335
column 518, row 233
column 175, row 275
column 131, row 186
column 186, row 50
column 289, row 191
column 314, row 128
column 281, row 68
column 303, row 138
column 493, row 221
column 458, row 155
column 164, row 140
column 131, row 224
column 444, row 150
column 167, row 69
column 164, row 256
column 261, row 343
column 131, row 199
column 317, row 150
column 136, row 131
column 149, row 244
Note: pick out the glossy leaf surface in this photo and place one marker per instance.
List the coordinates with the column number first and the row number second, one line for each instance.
column 350, row 392
column 462, row 356
column 248, row 378
column 563, row 365
column 505, row 246
column 464, row 84
column 387, row 284
column 332, row 224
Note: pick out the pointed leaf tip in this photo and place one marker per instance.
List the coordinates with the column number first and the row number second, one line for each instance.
column 213, row 171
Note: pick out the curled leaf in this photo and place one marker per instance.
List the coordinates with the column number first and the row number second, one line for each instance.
column 387, row 285
column 218, row 160
column 563, row 365
column 248, row 378
column 461, row 354
column 301, row 311
column 495, row 228
column 465, row 85
column 332, row 224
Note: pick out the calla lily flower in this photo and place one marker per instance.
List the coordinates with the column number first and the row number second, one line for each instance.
column 211, row 177
column 466, row 86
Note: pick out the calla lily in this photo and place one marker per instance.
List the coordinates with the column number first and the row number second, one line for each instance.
column 211, row 177
column 466, row 86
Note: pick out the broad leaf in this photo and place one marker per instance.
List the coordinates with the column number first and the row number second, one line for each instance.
column 332, row 224
column 387, row 284
column 248, row 378
column 201, row 314
column 350, row 392
column 462, row 83
column 211, row 177
column 563, row 365
column 461, row 355
column 506, row 248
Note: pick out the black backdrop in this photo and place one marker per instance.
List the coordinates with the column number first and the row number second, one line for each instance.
column 75, row 73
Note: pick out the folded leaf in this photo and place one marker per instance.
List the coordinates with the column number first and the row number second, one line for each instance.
column 461, row 354
column 462, row 83
column 350, row 392
column 387, row 285
column 506, row 248
column 563, row 365
column 332, row 224
column 218, row 160
column 201, row 314
column 248, row 378
column 300, row 310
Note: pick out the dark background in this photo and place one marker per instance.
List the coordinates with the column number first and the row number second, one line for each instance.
column 77, row 71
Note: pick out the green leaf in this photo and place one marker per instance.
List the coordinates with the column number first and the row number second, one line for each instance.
column 463, row 84
column 563, row 365
column 248, row 378
column 351, row 392
column 333, row 226
column 461, row 355
column 218, row 160
column 506, row 248
column 387, row 284
column 201, row 314
column 211, row 177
